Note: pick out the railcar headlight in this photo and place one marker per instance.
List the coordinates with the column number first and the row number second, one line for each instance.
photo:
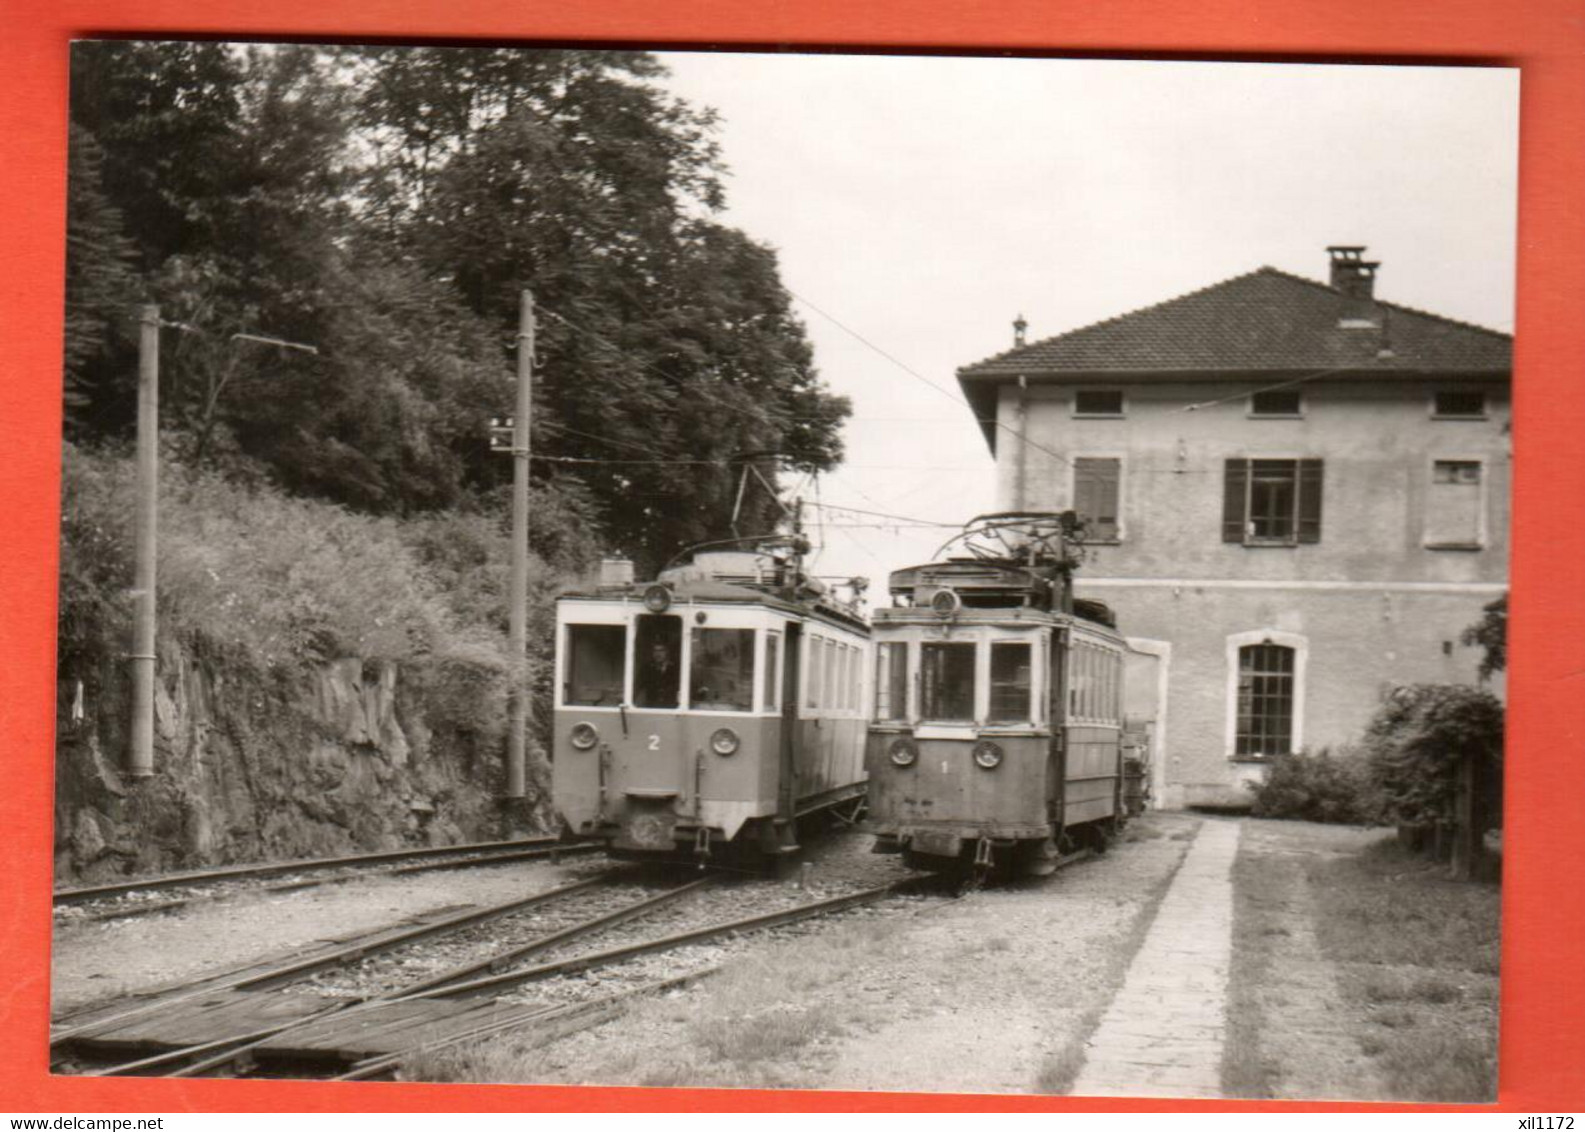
column 724, row 741
column 987, row 754
column 945, row 602
column 657, row 598
column 584, row 736
column 903, row 752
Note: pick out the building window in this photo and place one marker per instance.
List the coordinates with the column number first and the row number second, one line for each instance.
column 1098, row 403
column 1276, row 403
column 1097, row 485
column 1272, row 502
column 1460, row 404
column 1265, row 701
column 1454, row 506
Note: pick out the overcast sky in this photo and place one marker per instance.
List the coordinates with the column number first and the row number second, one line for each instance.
column 923, row 203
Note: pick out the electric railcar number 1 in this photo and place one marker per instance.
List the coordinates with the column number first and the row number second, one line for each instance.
column 709, row 710
column 996, row 729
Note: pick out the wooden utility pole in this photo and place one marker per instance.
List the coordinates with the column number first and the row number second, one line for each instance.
column 517, row 702
column 140, row 760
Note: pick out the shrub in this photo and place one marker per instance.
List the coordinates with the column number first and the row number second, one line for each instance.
column 1318, row 787
column 1416, row 742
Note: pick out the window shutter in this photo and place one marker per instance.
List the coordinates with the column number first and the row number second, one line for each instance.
column 1235, row 494
column 1309, row 501
column 1107, row 475
column 1095, row 494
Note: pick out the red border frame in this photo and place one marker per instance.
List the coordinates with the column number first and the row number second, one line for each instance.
column 1543, row 996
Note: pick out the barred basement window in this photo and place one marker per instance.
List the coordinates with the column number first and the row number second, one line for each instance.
column 1265, row 701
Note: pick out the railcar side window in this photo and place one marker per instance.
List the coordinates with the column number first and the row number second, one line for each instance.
column 772, row 671
column 1010, row 682
column 814, row 669
column 829, row 695
column 891, row 681
column 721, row 677
column 595, row 654
column 947, row 681
column 657, row 661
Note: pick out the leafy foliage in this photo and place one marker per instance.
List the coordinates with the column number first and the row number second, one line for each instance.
column 1416, row 742
column 1319, row 787
column 1491, row 634
column 386, row 206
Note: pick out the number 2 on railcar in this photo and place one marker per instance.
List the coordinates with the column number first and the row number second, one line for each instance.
column 710, row 709
column 995, row 735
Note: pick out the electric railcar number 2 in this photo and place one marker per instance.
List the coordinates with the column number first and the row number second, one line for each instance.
column 996, row 736
column 710, row 709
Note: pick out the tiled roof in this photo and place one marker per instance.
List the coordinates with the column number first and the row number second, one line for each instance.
column 1264, row 321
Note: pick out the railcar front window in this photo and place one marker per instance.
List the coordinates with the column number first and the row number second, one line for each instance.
column 721, row 677
column 595, row 655
column 947, row 681
column 891, row 681
column 657, row 661
column 1010, row 682
column 772, row 657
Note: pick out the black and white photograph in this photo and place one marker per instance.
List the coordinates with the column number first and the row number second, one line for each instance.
column 817, row 571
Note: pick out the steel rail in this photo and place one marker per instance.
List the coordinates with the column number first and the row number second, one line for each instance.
column 678, row 939
column 225, row 1050
column 546, row 942
column 245, row 1044
column 473, row 862
column 575, row 1011
column 67, row 896
column 371, row 944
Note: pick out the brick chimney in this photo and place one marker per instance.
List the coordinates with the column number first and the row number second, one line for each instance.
column 1354, row 277
column 1019, row 327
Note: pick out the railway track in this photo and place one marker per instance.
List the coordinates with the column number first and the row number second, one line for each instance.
column 558, row 960
column 128, row 898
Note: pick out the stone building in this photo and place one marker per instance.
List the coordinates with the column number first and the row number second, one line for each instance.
column 1296, row 498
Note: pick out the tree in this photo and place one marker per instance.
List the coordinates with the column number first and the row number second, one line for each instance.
column 668, row 347
column 101, row 287
column 386, row 206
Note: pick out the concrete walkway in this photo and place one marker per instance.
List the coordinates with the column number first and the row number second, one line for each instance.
column 1162, row 1035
